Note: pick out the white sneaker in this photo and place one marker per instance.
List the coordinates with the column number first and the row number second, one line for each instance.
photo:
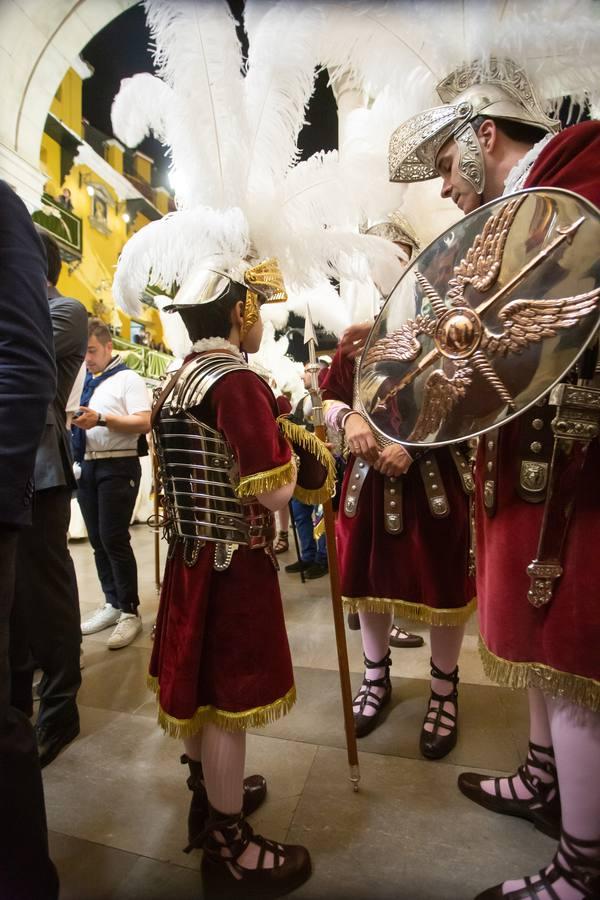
column 103, row 618
column 128, row 628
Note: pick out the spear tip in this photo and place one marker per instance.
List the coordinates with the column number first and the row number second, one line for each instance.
column 309, row 329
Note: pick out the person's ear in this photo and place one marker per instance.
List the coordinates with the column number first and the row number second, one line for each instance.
column 488, row 135
column 237, row 314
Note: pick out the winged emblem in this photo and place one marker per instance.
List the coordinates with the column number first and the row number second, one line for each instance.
column 441, row 395
column 530, row 321
column 460, row 335
column 481, row 266
column 402, row 344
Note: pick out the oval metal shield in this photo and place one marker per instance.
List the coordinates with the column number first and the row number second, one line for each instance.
column 485, row 320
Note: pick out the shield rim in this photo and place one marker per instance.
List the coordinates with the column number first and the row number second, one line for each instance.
column 431, row 445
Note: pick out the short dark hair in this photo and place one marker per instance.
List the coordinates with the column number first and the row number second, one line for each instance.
column 206, row 320
column 52, row 255
column 521, row 132
column 97, row 329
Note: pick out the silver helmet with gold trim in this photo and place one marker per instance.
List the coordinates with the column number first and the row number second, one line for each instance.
column 498, row 89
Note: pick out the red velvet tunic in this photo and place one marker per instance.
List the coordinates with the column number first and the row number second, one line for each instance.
column 420, row 573
column 221, row 652
column 555, row 647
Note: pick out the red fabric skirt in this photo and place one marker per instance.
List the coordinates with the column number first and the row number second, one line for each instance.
column 221, row 652
column 555, row 647
column 421, row 573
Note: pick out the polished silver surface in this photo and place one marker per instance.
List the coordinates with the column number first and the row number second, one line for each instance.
column 485, row 320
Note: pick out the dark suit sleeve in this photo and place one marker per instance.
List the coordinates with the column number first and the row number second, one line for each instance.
column 69, row 326
column 27, row 370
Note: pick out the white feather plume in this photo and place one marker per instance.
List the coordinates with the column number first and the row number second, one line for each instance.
column 140, row 108
column 282, row 58
column 175, row 333
column 272, row 358
column 168, row 252
column 198, row 54
column 413, row 44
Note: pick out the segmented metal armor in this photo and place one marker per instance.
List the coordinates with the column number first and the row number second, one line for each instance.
column 199, row 472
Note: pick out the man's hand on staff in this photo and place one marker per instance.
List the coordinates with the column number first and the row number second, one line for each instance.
column 393, row 460
column 360, row 439
column 353, row 339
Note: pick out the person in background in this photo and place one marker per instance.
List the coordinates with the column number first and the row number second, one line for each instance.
column 114, row 411
column 313, row 553
column 27, row 386
column 64, row 199
column 45, row 625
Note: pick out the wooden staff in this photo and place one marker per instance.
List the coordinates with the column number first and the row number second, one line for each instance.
column 334, row 577
column 156, row 488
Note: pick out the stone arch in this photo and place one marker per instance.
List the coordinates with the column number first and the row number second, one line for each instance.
column 39, row 41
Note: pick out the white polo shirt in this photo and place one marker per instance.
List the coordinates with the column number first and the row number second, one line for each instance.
column 122, row 394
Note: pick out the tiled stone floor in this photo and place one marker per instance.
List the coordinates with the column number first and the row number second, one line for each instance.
column 117, row 801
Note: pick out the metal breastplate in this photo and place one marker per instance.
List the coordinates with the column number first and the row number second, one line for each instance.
column 198, row 468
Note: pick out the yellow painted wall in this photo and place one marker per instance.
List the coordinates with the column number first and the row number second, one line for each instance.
column 91, row 280
column 50, row 164
column 67, row 103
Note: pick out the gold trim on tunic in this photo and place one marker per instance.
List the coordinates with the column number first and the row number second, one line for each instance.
column 575, row 688
column 417, row 612
column 261, row 482
column 228, row 721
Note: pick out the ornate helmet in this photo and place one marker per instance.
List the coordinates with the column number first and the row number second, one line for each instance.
column 260, row 283
column 398, row 229
column 499, row 89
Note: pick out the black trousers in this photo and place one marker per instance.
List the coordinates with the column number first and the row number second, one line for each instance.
column 26, row 871
column 107, row 492
column 45, row 622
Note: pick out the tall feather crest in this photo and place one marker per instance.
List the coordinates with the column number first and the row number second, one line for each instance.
column 168, row 252
column 280, row 76
column 141, row 107
column 197, row 53
column 413, row 44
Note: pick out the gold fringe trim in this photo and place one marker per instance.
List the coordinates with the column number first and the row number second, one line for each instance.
column 251, row 485
column 417, row 612
column 308, row 441
column 576, row 688
column 228, row 721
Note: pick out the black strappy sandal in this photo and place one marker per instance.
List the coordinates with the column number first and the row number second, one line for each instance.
column 363, row 725
column 224, row 876
column 255, row 791
column 542, row 807
column 432, row 744
column 579, row 869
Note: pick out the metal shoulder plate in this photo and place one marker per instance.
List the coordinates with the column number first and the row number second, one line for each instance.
column 204, row 372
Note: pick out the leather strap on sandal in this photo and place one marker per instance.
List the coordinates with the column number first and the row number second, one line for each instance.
column 363, row 698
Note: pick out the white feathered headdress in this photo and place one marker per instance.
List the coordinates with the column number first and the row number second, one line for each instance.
column 232, row 138
column 412, row 45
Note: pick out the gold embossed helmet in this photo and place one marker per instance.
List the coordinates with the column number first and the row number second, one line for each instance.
column 260, row 283
column 499, row 89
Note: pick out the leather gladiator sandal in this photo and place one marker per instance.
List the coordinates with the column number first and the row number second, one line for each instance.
column 432, row 744
column 224, row 876
column 282, row 542
column 540, row 808
column 363, row 725
column 255, row 791
column 580, row 870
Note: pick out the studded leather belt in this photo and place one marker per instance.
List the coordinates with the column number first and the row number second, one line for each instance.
column 434, row 486
column 358, row 473
column 490, row 471
column 535, row 451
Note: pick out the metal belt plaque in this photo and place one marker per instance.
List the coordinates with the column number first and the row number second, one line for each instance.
column 485, row 320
